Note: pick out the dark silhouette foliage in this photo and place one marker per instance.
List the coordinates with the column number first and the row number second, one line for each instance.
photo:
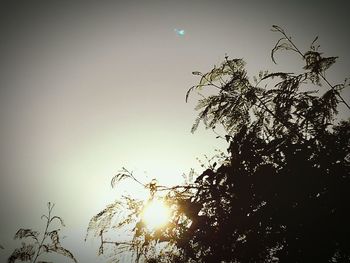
column 47, row 242
column 288, row 205
column 280, row 194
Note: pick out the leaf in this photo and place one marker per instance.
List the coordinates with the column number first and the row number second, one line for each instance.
column 215, row 74
column 62, row 251
column 195, row 125
column 103, row 219
column 282, row 75
column 197, row 73
column 189, row 91
column 58, row 218
column 339, row 87
column 100, row 249
column 277, row 29
column 316, row 63
column 24, row 253
column 45, row 248
column 24, row 233
column 282, row 46
column 54, row 237
column 312, row 46
column 120, row 176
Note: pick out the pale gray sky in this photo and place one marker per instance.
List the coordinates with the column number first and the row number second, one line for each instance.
column 88, row 88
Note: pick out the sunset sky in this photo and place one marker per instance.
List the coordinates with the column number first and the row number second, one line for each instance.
column 86, row 89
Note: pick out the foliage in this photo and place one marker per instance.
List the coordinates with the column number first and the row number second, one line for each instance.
column 40, row 245
column 289, row 204
column 280, row 194
column 120, row 225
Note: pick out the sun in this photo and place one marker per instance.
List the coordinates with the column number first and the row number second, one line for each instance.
column 155, row 214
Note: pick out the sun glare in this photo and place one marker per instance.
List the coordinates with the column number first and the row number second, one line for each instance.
column 156, row 214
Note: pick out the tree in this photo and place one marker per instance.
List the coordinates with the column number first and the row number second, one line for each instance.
column 280, row 193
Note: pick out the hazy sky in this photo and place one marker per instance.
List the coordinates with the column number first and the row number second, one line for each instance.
column 86, row 89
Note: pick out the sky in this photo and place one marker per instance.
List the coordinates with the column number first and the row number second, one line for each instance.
column 89, row 88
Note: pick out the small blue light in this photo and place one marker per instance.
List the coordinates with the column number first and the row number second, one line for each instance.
column 179, row 32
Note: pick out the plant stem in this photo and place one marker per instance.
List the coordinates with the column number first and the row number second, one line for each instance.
column 45, row 233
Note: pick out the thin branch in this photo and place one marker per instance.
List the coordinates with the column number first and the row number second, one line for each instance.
column 45, row 232
column 323, row 77
column 337, row 93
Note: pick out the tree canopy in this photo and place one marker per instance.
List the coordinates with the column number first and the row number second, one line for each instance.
column 280, row 192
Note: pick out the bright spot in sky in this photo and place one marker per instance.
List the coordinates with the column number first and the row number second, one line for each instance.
column 179, row 32
column 155, row 214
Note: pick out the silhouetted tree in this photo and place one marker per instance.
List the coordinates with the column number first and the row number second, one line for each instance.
column 281, row 192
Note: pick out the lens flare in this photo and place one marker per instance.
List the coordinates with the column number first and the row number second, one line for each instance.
column 179, row 32
column 156, row 214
